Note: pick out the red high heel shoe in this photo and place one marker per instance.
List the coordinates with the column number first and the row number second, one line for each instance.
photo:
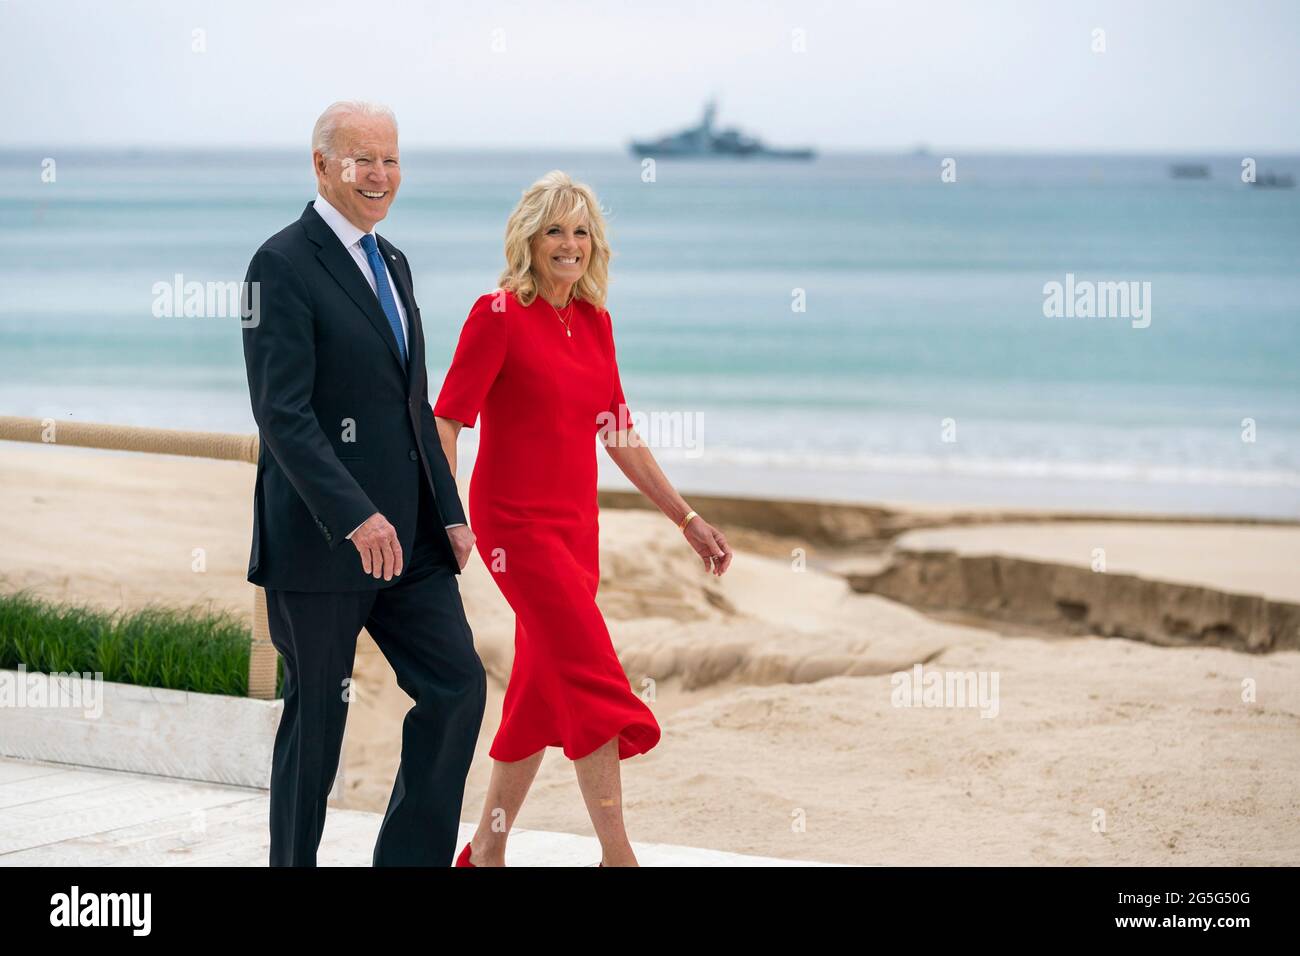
column 463, row 859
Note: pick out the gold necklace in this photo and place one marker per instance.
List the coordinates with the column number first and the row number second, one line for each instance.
column 567, row 331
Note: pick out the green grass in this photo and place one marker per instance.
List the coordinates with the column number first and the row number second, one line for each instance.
column 184, row 649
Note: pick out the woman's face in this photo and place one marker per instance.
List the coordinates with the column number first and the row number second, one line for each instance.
column 561, row 252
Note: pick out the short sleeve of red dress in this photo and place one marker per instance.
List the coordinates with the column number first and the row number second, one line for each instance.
column 480, row 353
column 619, row 416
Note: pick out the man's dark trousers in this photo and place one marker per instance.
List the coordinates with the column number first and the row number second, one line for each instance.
column 419, row 625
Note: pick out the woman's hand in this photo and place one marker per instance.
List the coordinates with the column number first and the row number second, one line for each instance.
column 462, row 543
column 709, row 544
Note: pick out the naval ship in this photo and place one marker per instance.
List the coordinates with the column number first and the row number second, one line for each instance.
column 702, row 141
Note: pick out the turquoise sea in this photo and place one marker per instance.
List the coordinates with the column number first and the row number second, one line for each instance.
column 922, row 369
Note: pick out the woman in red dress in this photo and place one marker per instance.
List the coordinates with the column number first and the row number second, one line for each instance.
column 537, row 359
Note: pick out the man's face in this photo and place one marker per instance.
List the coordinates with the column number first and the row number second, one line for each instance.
column 361, row 179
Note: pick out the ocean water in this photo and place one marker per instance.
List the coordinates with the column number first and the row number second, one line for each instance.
column 921, row 367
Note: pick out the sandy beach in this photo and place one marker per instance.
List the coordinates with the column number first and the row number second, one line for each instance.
column 774, row 687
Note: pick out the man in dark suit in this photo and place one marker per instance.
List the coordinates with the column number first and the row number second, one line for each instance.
column 356, row 519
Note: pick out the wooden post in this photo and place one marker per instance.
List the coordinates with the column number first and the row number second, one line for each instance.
column 262, row 657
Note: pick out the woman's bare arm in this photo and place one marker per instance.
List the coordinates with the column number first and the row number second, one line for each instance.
column 462, row 538
column 448, row 432
column 636, row 461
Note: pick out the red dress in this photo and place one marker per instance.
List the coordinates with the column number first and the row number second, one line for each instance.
column 544, row 396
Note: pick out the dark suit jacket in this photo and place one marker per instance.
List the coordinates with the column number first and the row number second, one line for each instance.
column 345, row 432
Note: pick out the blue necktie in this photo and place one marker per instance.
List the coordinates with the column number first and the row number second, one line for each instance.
column 384, row 291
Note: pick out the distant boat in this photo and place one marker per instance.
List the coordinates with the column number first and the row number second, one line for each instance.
column 702, row 140
column 1189, row 171
column 1275, row 181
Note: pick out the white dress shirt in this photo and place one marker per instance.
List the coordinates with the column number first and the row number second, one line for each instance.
column 350, row 236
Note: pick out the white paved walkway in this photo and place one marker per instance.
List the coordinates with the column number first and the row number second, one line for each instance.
column 64, row 815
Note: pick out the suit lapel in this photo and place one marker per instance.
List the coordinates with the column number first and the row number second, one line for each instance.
column 394, row 266
column 340, row 264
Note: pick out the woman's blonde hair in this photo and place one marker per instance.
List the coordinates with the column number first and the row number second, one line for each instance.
column 555, row 198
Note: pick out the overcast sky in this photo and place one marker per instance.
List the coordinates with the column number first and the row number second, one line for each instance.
column 984, row 74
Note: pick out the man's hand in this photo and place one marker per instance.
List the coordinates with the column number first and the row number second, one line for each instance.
column 381, row 553
column 462, row 542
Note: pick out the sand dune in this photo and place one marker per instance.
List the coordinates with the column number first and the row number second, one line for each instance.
column 1261, row 559
column 774, row 688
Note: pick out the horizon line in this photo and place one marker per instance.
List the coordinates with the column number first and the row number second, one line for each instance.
column 917, row 149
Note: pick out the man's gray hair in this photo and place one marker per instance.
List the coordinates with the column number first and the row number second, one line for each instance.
column 325, row 132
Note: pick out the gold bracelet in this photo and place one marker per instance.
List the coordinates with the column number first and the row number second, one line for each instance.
column 689, row 516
